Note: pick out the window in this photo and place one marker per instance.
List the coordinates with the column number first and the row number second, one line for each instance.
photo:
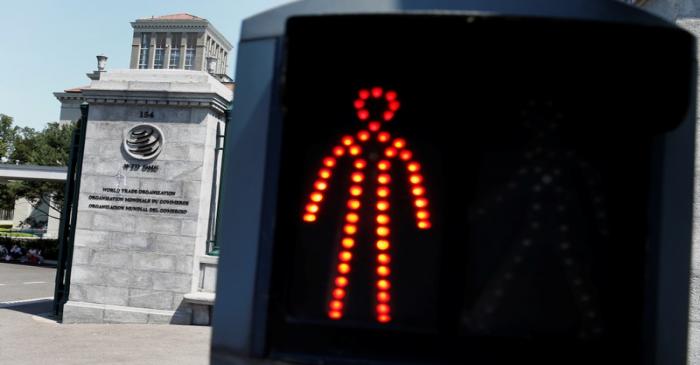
column 175, row 41
column 190, row 51
column 145, row 46
column 159, row 59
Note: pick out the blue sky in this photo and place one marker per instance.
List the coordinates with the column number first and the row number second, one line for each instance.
column 49, row 45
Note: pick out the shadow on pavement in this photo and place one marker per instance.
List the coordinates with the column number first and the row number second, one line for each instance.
column 34, row 307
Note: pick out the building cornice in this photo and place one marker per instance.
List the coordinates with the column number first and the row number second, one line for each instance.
column 156, row 98
column 180, row 26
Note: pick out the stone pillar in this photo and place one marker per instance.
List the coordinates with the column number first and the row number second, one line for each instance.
column 199, row 56
column 168, row 49
column 143, row 215
column 152, row 51
column 183, row 51
column 135, row 49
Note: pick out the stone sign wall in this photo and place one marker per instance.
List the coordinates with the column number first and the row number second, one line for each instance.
column 143, row 223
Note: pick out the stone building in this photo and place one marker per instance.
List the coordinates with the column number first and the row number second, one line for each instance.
column 178, row 41
column 133, row 262
column 168, row 42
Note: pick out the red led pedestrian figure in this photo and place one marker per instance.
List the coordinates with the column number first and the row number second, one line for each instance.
column 394, row 153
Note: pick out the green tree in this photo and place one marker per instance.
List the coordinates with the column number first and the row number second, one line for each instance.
column 26, row 146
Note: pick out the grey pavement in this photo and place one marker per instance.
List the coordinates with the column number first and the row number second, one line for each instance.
column 24, row 282
column 28, row 334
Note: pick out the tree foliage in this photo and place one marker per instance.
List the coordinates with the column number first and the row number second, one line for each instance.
column 27, row 146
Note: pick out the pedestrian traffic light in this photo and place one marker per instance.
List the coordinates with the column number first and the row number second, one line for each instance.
column 484, row 184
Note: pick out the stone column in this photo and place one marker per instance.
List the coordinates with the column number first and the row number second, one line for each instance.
column 199, row 56
column 141, row 227
column 168, row 40
column 135, row 49
column 152, row 51
column 183, row 51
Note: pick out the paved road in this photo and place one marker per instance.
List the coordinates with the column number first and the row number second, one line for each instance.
column 24, row 282
column 28, row 335
column 28, row 339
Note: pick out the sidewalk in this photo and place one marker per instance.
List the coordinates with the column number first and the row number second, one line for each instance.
column 27, row 338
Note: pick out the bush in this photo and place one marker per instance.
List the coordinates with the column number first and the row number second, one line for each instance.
column 48, row 247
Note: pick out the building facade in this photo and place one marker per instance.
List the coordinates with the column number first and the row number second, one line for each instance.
column 168, row 42
column 178, row 42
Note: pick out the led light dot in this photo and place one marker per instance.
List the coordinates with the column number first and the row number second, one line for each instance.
column 364, row 94
column 383, row 219
column 374, row 126
column 354, row 204
column 383, row 258
column 384, row 179
column 343, row 268
column 383, row 137
column 312, row 208
column 418, row 190
column 355, row 150
column 338, row 151
column 338, row 293
column 352, row 217
column 335, row 314
column 390, row 152
column 390, row 95
column 384, row 165
column 422, row 214
column 336, row 305
column 324, row 173
column 384, row 318
column 394, row 105
column 383, row 308
column 383, row 271
column 413, row 167
column 329, row 161
column 363, row 136
column 347, row 140
column 308, row 217
column 421, row 203
column 350, row 229
column 357, row 177
column 388, row 115
column 383, row 284
column 348, row 242
column 359, row 104
column 360, row 164
column 382, row 245
column 406, row 155
column 399, row 143
column 383, row 231
column 320, row 185
column 382, row 205
column 415, row 179
column 424, row 224
column 383, row 191
column 345, row 256
column 377, row 92
column 356, row 190
column 341, row 281
column 316, row 197
column 363, row 114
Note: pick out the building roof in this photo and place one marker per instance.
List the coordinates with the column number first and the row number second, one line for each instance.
column 76, row 89
column 179, row 16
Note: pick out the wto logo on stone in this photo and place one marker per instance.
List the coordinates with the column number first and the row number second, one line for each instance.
column 144, row 142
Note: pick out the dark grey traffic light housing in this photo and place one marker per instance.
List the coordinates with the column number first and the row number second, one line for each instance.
column 556, row 141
